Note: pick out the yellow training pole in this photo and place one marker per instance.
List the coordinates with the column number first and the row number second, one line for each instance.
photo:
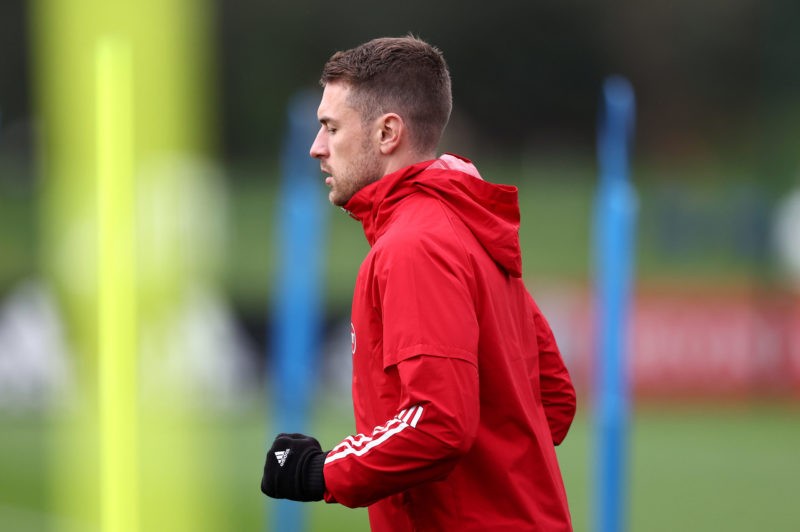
column 117, row 361
column 128, row 239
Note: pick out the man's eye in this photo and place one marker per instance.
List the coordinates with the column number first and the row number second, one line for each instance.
column 331, row 130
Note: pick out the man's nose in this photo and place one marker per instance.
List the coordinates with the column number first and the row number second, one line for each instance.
column 318, row 148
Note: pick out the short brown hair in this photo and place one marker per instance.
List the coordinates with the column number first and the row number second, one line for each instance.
column 404, row 75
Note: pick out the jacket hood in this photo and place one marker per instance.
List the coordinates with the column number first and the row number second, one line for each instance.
column 490, row 211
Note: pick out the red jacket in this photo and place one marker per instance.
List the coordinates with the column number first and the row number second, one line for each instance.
column 459, row 390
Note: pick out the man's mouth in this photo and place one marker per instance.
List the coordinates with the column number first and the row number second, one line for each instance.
column 328, row 176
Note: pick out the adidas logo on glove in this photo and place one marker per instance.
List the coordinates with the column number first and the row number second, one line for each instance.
column 281, row 456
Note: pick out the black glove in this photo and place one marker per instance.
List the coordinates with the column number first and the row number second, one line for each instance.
column 293, row 469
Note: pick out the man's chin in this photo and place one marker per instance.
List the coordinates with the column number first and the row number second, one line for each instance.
column 335, row 199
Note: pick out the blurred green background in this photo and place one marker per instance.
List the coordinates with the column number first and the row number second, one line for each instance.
column 716, row 163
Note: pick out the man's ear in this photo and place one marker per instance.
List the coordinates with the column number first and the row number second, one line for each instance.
column 392, row 132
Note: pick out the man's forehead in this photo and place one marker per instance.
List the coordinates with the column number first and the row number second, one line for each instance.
column 334, row 101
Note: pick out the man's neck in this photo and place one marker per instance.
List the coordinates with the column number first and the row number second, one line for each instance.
column 401, row 161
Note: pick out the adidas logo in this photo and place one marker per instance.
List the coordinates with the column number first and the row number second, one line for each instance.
column 281, row 456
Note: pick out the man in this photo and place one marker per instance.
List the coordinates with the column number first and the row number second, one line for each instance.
column 459, row 390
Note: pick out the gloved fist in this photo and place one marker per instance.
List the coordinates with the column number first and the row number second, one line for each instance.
column 293, row 469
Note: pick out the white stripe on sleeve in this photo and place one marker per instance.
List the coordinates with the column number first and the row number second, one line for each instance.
column 361, row 444
column 416, row 418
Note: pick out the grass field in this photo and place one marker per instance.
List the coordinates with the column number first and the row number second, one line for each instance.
column 693, row 228
column 693, row 467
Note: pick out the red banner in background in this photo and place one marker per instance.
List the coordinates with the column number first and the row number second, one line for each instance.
column 699, row 343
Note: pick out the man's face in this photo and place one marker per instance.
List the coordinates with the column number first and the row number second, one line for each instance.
column 347, row 151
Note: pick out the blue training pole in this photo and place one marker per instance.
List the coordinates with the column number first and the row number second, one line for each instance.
column 296, row 309
column 614, row 246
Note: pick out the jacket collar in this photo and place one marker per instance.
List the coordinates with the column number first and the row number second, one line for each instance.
column 372, row 204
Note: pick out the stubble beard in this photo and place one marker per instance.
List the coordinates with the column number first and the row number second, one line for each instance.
column 366, row 169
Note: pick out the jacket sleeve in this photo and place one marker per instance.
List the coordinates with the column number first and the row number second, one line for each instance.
column 558, row 393
column 436, row 423
column 420, row 287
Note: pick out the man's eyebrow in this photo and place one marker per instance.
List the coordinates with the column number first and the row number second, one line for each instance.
column 325, row 120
